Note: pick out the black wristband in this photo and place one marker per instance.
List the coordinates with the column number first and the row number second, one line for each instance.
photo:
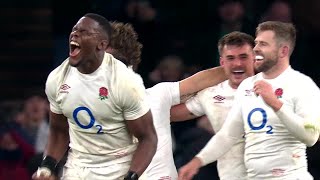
column 49, row 162
column 131, row 176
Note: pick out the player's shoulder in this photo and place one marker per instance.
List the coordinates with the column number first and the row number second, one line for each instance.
column 214, row 89
column 121, row 75
column 59, row 71
column 299, row 76
column 164, row 85
column 118, row 69
column 299, row 80
column 112, row 62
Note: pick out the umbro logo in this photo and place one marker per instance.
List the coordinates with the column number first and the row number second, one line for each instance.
column 219, row 98
column 248, row 92
column 64, row 87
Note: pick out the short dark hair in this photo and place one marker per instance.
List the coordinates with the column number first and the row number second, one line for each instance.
column 103, row 22
column 283, row 31
column 235, row 38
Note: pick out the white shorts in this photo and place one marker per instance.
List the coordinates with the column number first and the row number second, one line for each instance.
column 112, row 172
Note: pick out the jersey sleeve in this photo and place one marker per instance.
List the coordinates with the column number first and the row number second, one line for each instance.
column 51, row 92
column 168, row 91
column 53, row 83
column 194, row 105
column 131, row 93
column 302, row 120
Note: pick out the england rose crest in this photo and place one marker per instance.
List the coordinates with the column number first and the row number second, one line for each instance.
column 279, row 92
column 103, row 93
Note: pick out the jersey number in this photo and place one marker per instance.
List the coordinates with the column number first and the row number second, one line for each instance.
column 92, row 119
column 264, row 121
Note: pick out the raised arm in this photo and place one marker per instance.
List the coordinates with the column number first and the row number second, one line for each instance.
column 143, row 129
column 201, row 80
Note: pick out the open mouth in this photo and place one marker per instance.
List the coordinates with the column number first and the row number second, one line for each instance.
column 74, row 49
column 238, row 72
column 259, row 58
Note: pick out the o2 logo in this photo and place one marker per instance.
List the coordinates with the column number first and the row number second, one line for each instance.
column 92, row 119
column 263, row 123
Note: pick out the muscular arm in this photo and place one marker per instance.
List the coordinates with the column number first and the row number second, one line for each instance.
column 201, row 80
column 58, row 139
column 143, row 129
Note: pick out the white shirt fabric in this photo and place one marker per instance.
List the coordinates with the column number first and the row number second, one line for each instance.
column 161, row 97
column 215, row 102
column 275, row 142
column 97, row 129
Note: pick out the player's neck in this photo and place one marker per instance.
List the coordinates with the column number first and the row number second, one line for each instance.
column 276, row 70
column 90, row 65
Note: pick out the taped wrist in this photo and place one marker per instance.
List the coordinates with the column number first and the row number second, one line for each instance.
column 131, row 175
column 49, row 162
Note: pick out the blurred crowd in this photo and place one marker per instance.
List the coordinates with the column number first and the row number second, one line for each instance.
column 179, row 38
column 191, row 29
column 24, row 132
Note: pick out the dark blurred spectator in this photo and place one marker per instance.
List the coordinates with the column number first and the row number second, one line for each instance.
column 189, row 141
column 15, row 153
column 19, row 123
column 36, row 116
column 170, row 68
column 279, row 10
column 146, row 19
column 227, row 16
column 306, row 14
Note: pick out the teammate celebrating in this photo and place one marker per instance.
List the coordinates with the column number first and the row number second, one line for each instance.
column 277, row 119
column 97, row 105
column 125, row 46
column 236, row 57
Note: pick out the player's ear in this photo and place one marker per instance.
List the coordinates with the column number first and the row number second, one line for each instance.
column 103, row 45
column 221, row 61
column 284, row 51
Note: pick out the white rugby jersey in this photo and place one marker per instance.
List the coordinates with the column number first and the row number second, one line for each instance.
column 161, row 97
column 271, row 151
column 97, row 106
column 215, row 102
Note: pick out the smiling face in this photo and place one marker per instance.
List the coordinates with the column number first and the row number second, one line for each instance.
column 267, row 48
column 85, row 42
column 237, row 62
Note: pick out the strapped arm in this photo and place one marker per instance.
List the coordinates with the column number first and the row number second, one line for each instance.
column 307, row 131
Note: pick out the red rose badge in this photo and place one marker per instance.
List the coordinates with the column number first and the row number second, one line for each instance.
column 279, row 92
column 103, row 93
